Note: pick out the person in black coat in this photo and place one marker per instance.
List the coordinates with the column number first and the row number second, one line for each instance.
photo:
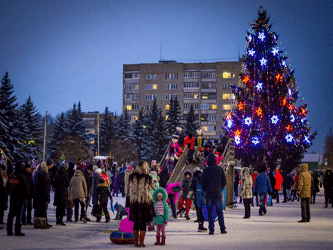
column 60, row 184
column 103, row 196
column 26, row 218
column 3, row 195
column 213, row 181
column 70, row 170
column 18, row 192
column 273, row 182
column 236, row 183
column 164, row 177
column 41, row 197
column 87, row 175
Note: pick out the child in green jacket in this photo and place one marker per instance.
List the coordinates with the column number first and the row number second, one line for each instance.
column 162, row 214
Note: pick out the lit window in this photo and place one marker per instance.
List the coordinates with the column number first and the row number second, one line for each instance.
column 166, row 117
column 226, row 75
column 233, row 96
column 136, row 118
column 204, row 97
column 129, row 107
column 167, row 107
column 226, row 96
column 204, row 128
column 226, row 107
column 213, row 106
column 155, row 86
column 135, row 106
column 196, row 96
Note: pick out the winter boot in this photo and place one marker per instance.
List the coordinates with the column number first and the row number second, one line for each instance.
column 187, row 217
column 201, row 228
column 163, row 241
column 10, row 229
column 142, row 238
column 157, row 240
column 136, row 238
column 18, row 230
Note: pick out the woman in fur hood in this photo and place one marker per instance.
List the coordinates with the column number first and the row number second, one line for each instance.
column 140, row 201
column 246, row 191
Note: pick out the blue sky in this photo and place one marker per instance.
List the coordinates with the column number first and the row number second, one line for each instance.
column 63, row 52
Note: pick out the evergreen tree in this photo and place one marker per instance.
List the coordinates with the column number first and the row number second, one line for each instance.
column 191, row 124
column 77, row 140
column 57, row 144
column 139, row 135
column 174, row 116
column 106, row 133
column 266, row 123
column 32, row 138
column 9, row 133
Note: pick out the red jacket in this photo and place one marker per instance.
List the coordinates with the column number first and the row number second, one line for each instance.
column 188, row 141
column 254, row 176
column 279, row 180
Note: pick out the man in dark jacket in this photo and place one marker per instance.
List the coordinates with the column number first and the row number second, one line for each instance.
column 17, row 186
column 60, row 184
column 213, row 181
column 26, row 218
column 41, row 197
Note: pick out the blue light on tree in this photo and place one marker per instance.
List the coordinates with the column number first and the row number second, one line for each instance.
column 275, row 51
column 237, row 139
column 251, row 52
column 255, row 140
column 263, row 61
column 248, row 121
column 259, row 86
column 289, row 138
column 274, row 119
column 292, row 118
column 229, row 123
column 307, row 140
column 261, row 36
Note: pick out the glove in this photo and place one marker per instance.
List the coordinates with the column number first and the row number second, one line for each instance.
column 112, row 208
column 165, row 223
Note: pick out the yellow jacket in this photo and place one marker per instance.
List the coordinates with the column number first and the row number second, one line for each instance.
column 304, row 182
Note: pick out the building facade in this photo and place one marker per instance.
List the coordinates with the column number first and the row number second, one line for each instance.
column 206, row 86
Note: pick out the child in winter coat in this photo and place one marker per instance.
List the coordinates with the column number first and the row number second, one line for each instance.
column 162, row 214
column 103, row 195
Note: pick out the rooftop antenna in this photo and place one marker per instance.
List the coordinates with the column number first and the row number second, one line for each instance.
column 161, row 53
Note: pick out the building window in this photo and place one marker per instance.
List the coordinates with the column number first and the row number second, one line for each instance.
column 226, row 107
column 191, row 85
column 135, row 96
column 187, row 106
column 208, row 128
column 211, row 117
column 150, row 97
column 132, row 75
column 151, row 77
column 204, row 106
column 167, row 107
column 226, row 85
column 133, row 118
column 151, row 86
column 208, row 85
column 228, row 75
column 226, row 96
column 191, row 95
column 196, row 106
column 129, row 107
column 127, row 97
column 135, row 106
column 171, row 86
column 209, row 74
column 212, row 106
column 210, row 96
column 135, row 86
column 136, row 76
column 171, row 76
column 128, row 75
column 168, row 97
column 128, row 86
column 204, row 117
column 191, row 75
column 166, row 117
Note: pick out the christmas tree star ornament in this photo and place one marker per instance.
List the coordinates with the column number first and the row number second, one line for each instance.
column 248, row 121
column 251, row 52
column 255, row 140
column 274, row 119
column 259, row 86
column 289, row 138
column 263, row 61
column 275, row 51
column 261, row 36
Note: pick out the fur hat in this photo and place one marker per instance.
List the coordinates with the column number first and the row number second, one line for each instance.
column 160, row 194
column 94, row 168
column 98, row 171
column 179, row 129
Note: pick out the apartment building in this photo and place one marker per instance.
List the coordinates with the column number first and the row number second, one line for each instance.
column 206, row 86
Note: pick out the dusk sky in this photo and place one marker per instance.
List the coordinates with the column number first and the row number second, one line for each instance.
column 63, row 52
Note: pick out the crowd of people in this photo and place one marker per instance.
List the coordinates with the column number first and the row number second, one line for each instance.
column 147, row 191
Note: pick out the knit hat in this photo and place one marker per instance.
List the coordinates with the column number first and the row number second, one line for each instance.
column 98, row 171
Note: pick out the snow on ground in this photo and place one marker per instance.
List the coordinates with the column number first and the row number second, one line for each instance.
column 277, row 230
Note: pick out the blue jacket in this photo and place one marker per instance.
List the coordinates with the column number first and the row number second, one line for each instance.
column 262, row 184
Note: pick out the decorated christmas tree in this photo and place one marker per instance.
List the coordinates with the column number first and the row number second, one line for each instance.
column 265, row 122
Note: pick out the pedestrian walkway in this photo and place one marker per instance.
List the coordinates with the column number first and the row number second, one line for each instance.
column 278, row 229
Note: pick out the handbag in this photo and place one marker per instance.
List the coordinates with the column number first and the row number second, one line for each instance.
column 190, row 195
